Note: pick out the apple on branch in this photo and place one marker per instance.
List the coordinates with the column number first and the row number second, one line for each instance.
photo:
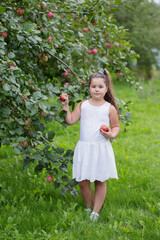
column 43, row 114
column 27, row 122
column 109, row 45
column 118, row 74
column 4, row 34
column 65, row 74
column 49, row 39
column 50, row 15
column 49, row 179
column 94, row 51
column 24, row 144
column 85, row 29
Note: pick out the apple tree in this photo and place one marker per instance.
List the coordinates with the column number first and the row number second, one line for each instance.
column 47, row 47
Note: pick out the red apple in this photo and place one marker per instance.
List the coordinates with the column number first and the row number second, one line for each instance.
column 62, row 97
column 108, row 45
column 94, row 51
column 20, row 12
column 32, row 89
column 49, row 39
column 45, row 58
column 65, row 74
column 43, row 114
column 89, row 51
column 95, row 23
column 104, row 36
column 27, row 122
column 118, row 74
column 12, row 65
column 44, row 7
column 49, row 179
column 4, row 34
column 85, row 29
column 50, row 15
column 66, row 83
column 104, row 128
column 68, row 69
column 24, row 144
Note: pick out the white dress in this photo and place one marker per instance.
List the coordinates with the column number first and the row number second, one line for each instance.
column 93, row 156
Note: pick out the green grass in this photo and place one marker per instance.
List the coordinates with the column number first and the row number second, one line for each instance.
column 30, row 208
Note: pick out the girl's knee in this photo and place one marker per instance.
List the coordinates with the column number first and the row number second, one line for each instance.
column 84, row 184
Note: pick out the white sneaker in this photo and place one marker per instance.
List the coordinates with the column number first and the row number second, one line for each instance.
column 94, row 216
column 89, row 210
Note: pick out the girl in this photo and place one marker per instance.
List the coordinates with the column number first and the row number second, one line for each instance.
column 93, row 159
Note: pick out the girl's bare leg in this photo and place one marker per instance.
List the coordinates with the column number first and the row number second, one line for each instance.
column 99, row 197
column 86, row 193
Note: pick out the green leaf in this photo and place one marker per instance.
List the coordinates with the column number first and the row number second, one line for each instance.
column 37, row 157
column 72, row 182
column 20, row 38
column 21, row 139
column 2, row 52
column 2, row 10
column 65, row 178
column 17, row 150
column 69, row 153
column 6, row 87
column 56, row 184
column 62, row 114
column 51, row 135
column 11, row 55
column 64, row 191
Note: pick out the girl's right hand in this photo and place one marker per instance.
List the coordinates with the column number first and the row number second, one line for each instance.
column 64, row 99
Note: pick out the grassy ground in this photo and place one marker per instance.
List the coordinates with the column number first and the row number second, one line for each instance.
column 31, row 209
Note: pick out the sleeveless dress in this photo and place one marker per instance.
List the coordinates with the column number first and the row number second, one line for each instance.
column 93, row 156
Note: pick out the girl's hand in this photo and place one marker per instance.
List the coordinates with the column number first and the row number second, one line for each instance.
column 64, row 99
column 108, row 135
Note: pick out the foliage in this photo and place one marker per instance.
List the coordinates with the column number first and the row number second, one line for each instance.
column 142, row 23
column 39, row 42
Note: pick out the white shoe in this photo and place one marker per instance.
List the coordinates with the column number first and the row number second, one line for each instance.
column 89, row 210
column 94, row 216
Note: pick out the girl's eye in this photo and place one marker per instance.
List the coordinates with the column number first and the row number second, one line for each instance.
column 100, row 86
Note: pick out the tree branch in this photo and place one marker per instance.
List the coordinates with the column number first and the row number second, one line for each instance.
column 76, row 75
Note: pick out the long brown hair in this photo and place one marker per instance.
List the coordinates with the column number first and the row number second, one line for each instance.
column 109, row 96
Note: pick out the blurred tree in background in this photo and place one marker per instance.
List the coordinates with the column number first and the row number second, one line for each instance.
column 143, row 24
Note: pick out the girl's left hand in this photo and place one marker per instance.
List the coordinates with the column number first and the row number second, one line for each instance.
column 108, row 135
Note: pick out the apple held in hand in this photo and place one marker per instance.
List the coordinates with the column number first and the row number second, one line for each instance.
column 49, row 179
column 62, row 97
column 104, row 128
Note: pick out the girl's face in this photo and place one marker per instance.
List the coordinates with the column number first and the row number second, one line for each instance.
column 98, row 88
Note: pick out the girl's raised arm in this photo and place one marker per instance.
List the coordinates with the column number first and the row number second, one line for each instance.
column 71, row 118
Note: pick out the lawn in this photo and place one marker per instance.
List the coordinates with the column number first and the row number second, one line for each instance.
column 30, row 208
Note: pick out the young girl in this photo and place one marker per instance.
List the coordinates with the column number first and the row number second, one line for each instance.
column 93, row 159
